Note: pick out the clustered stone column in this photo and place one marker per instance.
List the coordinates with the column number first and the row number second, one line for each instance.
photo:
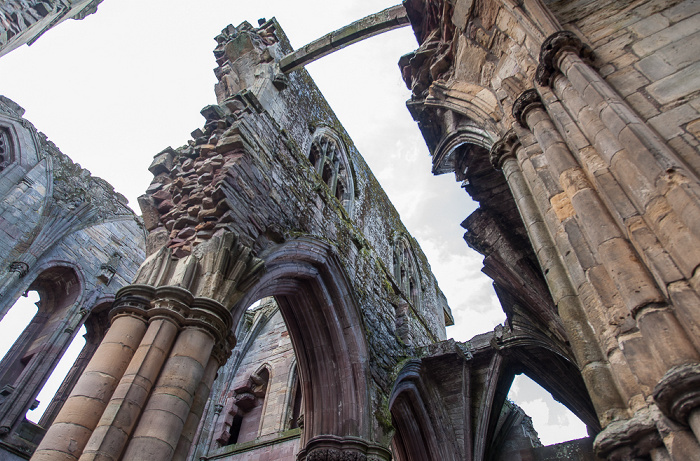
column 143, row 393
column 594, row 367
column 609, row 193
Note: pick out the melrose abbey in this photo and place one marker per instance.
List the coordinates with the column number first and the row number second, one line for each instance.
column 269, row 304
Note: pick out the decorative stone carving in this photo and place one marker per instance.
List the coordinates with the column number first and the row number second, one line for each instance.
column 108, row 269
column 503, row 148
column 24, row 21
column 6, row 151
column 334, row 448
column 527, row 100
column 678, row 392
column 21, row 268
column 329, row 159
column 555, row 44
column 629, row 439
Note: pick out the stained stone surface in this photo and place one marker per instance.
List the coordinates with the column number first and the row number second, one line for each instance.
column 574, row 125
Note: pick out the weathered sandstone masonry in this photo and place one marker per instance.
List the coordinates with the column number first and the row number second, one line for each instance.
column 589, row 225
column 71, row 238
column 602, row 169
column 269, row 198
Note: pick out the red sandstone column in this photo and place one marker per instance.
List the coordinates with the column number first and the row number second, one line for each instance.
column 74, row 424
column 119, row 418
column 160, row 427
column 200, row 399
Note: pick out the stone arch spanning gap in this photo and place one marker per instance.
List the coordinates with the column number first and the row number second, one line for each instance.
column 458, row 143
column 419, row 436
column 451, row 403
column 325, row 326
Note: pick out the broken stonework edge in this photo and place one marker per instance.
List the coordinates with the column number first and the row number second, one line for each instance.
column 369, row 26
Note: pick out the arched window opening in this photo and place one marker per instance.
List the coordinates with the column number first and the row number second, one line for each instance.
column 552, row 421
column 328, row 157
column 89, row 336
column 5, row 150
column 406, row 271
column 314, row 156
column 51, row 387
column 328, row 175
column 294, row 417
column 17, row 320
column 249, row 406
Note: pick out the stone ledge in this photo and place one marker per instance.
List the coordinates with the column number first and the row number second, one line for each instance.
column 255, row 444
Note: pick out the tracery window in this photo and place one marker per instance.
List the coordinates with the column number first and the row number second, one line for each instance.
column 329, row 159
column 5, row 150
column 406, row 271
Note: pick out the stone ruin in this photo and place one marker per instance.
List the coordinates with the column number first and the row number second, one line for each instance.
column 575, row 126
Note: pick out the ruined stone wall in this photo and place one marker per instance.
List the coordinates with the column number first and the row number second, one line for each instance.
column 262, row 133
column 269, row 198
column 70, row 237
column 23, row 22
column 587, row 109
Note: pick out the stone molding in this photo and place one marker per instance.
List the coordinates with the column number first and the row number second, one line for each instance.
column 334, row 448
column 179, row 306
column 503, row 148
column 550, row 51
column 528, row 100
column 631, row 438
column 133, row 300
column 678, row 392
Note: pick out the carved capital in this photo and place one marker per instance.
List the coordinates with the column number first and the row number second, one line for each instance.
column 678, row 392
column 221, row 269
column 333, row 448
column 555, row 44
column 629, row 439
column 527, row 101
column 503, row 148
column 134, row 300
column 20, row 267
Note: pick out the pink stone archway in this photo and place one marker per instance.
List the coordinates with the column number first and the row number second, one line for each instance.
column 321, row 312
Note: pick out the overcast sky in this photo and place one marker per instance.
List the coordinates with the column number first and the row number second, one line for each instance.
column 115, row 89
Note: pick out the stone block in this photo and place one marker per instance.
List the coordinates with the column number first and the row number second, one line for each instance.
column 642, row 105
column 162, row 162
column 669, row 123
column 212, row 112
column 654, row 67
column 627, row 81
column 676, row 32
column 682, row 10
column 636, row 288
column 650, row 25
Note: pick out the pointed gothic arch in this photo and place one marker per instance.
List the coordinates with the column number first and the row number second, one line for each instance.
column 329, row 158
column 318, row 306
